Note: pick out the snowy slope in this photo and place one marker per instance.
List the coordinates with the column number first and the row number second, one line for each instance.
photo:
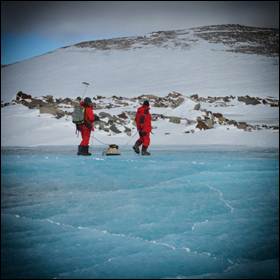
column 146, row 68
column 137, row 72
column 159, row 63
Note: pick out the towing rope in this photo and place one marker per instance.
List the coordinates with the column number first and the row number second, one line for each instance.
column 98, row 140
column 101, row 142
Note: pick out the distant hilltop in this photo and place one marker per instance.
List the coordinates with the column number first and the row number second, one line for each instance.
column 240, row 38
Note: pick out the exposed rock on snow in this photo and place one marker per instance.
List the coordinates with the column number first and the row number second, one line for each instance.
column 242, row 39
column 173, row 100
column 201, row 125
column 219, row 117
column 209, row 122
column 4, row 104
column 20, row 95
column 101, row 125
column 197, row 106
column 32, row 103
column 175, row 119
column 242, row 125
column 123, row 121
column 127, row 130
column 114, row 128
column 238, row 38
column 49, row 99
column 103, row 115
column 232, row 122
column 249, row 100
column 53, row 110
column 123, row 115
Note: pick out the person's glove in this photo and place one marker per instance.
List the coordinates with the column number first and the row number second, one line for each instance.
column 78, row 127
column 88, row 124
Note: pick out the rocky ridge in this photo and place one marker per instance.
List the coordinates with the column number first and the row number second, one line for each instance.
column 235, row 37
column 124, row 121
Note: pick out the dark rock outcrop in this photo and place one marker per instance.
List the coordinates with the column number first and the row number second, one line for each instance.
column 33, row 104
column 220, row 117
column 20, row 95
column 201, row 125
column 176, row 120
column 123, row 115
column 103, row 115
column 242, row 39
column 114, row 128
column 5, row 104
column 242, row 125
column 53, row 110
column 237, row 38
column 194, row 96
column 249, row 100
column 197, row 106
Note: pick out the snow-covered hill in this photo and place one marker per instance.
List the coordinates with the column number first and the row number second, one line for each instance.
column 226, row 61
column 215, row 60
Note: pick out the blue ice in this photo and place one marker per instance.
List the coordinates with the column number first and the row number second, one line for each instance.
column 204, row 212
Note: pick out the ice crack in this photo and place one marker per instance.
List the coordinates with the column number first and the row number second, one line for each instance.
column 221, row 197
column 198, row 223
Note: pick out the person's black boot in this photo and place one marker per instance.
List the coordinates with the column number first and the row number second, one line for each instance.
column 86, row 151
column 136, row 147
column 79, row 150
column 145, row 152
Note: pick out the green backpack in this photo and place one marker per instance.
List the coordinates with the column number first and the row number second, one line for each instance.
column 78, row 115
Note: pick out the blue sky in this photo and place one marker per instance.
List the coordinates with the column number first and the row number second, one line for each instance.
column 33, row 28
column 16, row 47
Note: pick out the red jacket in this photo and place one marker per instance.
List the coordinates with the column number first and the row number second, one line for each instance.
column 88, row 115
column 143, row 119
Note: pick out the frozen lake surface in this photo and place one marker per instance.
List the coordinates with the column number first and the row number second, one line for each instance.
column 204, row 212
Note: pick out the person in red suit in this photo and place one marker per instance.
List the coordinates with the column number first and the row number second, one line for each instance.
column 86, row 127
column 143, row 121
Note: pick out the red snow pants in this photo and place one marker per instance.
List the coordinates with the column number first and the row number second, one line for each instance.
column 144, row 139
column 85, row 135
